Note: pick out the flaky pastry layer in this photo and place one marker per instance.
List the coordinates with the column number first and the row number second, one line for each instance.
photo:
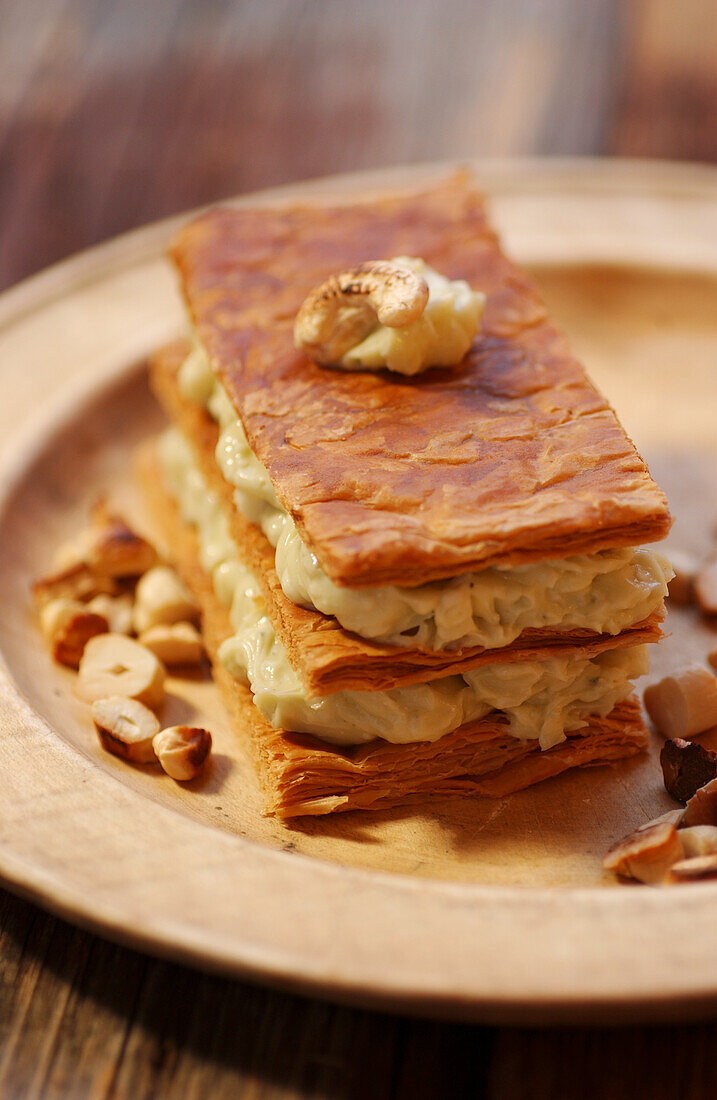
column 511, row 456
column 327, row 657
column 302, row 776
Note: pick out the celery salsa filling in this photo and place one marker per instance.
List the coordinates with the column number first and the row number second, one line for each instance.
column 605, row 592
column 540, row 700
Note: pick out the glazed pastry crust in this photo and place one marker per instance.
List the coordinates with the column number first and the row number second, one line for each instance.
column 327, row 657
column 511, row 456
column 301, row 775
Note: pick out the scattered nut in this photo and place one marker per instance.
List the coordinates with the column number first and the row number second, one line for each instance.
column 694, row 869
column 699, row 840
column 126, row 727
column 686, row 766
column 86, row 616
column 685, row 703
column 56, row 612
column 161, row 597
column 706, row 588
column 174, row 643
column 702, row 807
column 113, row 664
column 77, row 582
column 68, row 626
column 182, row 750
column 647, row 854
column 672, row 817
column 116, row 609
column 681, row 587
column 96, row 560
column 114, row 549
column 340, row 312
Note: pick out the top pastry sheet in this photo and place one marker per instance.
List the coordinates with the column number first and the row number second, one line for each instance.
column 511, row 456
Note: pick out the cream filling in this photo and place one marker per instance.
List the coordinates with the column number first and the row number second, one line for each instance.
column 439, row 338
column 543, row 699
column 604, row 592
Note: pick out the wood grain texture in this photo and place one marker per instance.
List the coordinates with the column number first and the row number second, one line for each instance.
column 85, row 1018
column 112, row 114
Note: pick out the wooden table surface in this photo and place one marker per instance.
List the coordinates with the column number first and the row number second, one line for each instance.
column 113, row 114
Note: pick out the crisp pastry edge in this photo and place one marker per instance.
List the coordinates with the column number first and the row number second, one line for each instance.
column 302, row 776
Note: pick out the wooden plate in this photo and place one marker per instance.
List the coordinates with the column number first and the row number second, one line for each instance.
column 493, row 910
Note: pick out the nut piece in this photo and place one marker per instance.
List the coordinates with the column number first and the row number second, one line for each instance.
column 702, row 807
column 113, row 664
column 55, row 613
column 342, row 311
column 699, row 840
column 103, row 553
column 706, row 588
column 174, row 643
column 182, row 750
column 113, row 549
column 694, row 869
column 647, row 854
column 686, row 766
column 161, row 597
column 681, row 587
column 126, row 727
column 68, row 626
column 77, row 582
column 116, row 609
column 685, row 703
column 672, row 817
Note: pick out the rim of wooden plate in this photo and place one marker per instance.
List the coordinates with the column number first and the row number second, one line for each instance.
column 230, row 905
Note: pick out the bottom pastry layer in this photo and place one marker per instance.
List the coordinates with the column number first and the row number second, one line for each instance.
column 301, row 775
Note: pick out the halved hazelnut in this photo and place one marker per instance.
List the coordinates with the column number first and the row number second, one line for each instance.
column 699, row 840
column 681, row 587
column 706, row 588
column 647, row 854
column 182, row 750
column 174, row 643
column 694, row 869
column 113, row 664
column 56, row 612
column 77, row 582
column 672, row 817
column 712, row 657
column 702, row 807
column 685, row 703
column 114, row 549
column 126, row 728
column 686, row 766
column 161, row 597
column 116, row 609
column 68, row 626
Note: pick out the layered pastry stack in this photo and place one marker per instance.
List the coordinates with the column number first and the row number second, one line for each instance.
column 411, row 586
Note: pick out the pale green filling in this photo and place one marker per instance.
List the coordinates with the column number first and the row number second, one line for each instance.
column 542, row 699
column 605, row 592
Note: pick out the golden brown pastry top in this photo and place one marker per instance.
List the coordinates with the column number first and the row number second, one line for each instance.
column 511, row 456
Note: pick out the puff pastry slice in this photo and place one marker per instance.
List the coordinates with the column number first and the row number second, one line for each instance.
column 301, row 775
